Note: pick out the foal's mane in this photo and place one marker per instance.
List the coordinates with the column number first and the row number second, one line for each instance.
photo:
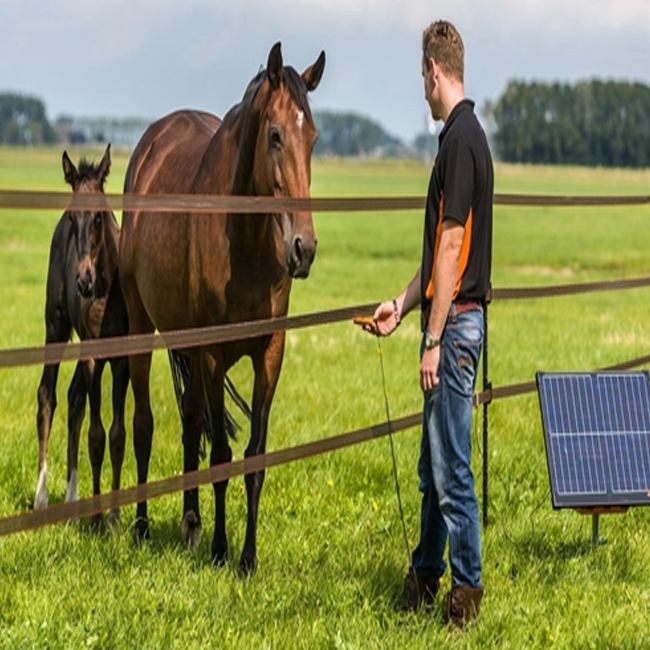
column 90, row 171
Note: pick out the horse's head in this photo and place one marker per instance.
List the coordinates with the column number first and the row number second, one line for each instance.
column 283, row 149
column 87, row 225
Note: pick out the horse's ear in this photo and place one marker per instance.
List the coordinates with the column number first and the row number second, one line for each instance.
column 70, row 172
column 312, row 75
column 104, row 166
column 274, row 66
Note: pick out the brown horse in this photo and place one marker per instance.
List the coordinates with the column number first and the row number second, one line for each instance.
column 83, row 293
column 193, row 270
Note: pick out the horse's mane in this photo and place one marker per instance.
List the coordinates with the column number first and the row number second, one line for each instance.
column 292, row 80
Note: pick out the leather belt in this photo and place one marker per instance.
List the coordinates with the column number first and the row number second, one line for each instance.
column 458, row 307
column 463, row 306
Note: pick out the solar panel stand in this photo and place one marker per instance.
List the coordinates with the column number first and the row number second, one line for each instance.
column 595, row 522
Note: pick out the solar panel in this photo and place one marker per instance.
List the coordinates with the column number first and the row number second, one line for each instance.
column 597, row 436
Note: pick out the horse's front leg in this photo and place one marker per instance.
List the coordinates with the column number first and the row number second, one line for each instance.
column 140, row 369
column 96, row 433
column 117, row 434
column 46, row 408
column 76, row 413
column 267, row 364
column 213, row 379
column 193, row 418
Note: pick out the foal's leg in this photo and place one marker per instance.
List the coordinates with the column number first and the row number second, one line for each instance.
column 213, row 378
column 96, row 433
column 57, row 330
column 193, row 415
column 46, row 408
column 267, row 365
column 76, row 413
column 117, row 435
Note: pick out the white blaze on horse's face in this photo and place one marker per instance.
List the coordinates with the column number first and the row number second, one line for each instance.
column 300, row 120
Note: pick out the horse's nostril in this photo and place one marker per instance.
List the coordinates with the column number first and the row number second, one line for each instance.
column 297, row 249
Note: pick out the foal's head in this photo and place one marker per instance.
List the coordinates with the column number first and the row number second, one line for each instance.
column 285, row 141
column 88, row 225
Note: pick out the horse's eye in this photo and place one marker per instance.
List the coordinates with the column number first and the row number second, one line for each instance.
column 274, row 136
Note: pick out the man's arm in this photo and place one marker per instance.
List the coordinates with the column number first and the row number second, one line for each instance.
column 446, row 270
column 389, row 314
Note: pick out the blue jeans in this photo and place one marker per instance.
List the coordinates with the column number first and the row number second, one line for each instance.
column 449, row 504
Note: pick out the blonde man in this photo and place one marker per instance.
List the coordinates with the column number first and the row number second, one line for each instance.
column 451, row 288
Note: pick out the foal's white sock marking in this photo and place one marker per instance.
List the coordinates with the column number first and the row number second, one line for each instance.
column 41, row 489
column 71, row 491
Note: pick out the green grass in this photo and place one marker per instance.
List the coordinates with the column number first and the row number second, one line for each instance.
column 331, row 551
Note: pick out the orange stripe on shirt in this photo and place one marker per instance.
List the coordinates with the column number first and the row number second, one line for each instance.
column 463, row 258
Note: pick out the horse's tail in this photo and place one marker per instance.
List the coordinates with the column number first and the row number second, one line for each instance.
column 180, row 368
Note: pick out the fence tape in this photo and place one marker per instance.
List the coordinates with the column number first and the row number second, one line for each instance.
column 121, row 346
column 30, row 200
column 119, row 498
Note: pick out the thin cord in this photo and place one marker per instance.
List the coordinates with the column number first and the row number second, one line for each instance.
column 392, row 449
column 531, row 516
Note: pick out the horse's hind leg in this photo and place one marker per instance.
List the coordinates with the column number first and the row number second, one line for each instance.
column 117, row 434
column 193, row 409
column 267, row 372
column 96, row 433
column 76, row 413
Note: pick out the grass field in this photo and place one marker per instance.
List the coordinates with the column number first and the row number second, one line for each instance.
column 331, row 552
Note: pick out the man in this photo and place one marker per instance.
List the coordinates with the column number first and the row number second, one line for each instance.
column 451, row 287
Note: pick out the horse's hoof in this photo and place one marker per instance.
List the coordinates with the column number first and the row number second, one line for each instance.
column 248, row 565
column 97, row 523
column 191, row 530
column 113, row 520
column 219, row 558
column 141, row 531
column 40, row 501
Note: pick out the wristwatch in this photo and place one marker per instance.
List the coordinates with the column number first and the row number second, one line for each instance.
column 430, row 342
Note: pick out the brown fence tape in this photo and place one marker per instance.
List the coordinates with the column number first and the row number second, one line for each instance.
column 55, row 353
column 210, row 335
column 24, row 200
column 568, row 289
column 120, row 498
column 138, row 344
column 86, row 507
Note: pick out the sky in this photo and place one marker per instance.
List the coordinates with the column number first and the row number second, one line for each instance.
column 145, row 58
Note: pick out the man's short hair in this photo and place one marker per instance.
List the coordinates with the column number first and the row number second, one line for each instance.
column 442, row 43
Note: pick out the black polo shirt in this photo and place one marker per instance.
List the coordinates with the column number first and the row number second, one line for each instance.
column 461, row 188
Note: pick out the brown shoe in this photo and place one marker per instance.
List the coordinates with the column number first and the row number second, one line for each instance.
column 463, row 604
column 418, row 592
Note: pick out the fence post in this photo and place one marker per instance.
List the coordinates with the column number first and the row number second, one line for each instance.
column 486, row 387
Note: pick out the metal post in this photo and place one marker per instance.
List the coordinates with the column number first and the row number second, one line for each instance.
column 594, row 531
column 486, row 385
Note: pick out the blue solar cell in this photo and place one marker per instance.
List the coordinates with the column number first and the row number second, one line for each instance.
column 597, row 435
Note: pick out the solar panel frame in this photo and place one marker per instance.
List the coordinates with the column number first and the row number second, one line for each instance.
column 597, row 437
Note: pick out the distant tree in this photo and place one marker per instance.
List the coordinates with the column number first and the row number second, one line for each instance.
column 590, row 123
column 23, row 121
column 349, row 134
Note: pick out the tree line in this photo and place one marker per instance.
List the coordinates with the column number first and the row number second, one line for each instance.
column 23, row 121
column 590, row 123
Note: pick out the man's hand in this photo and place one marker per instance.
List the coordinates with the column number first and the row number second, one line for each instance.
column 429, row 369
column 384, row 321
